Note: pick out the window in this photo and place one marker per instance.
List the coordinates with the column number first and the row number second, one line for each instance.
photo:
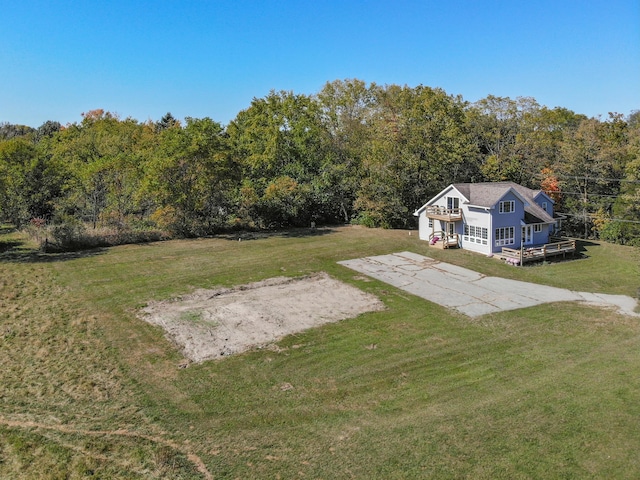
column 537, row 228
column 544, row 205
column 508, row 206
column 430, row 222
column 453, row 203
column 505, row 236
column 476, row 234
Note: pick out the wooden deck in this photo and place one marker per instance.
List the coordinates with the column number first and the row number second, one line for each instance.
column 533, row 254
column 445, row 214
column 442, row 240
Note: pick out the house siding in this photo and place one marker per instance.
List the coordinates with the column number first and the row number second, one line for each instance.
column 441, row 201
column 542, row 236
column 502, row 220
column 476, row 217
column 423, row 226
column 487, row 215
column 542, row 198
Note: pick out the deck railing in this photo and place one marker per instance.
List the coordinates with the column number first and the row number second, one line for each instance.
column 531, row 254
column 444, row 240
column 445, row 213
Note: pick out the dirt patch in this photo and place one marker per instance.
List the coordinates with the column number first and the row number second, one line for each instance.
column 211, row 324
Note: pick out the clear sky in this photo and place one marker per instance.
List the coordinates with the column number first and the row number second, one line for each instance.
column 208, row 58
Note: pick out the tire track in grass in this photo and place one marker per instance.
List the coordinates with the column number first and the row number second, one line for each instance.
column 193, row 458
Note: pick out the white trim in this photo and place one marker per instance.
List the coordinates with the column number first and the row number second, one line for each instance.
column 448, row 189
column 480, row 207
column 475, row 234
column 527, row 235
column 516, row 194
column 453, row 201
column 506, row 238
column 541, row 192
column 502, row 203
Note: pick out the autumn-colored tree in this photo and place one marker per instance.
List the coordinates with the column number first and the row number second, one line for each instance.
column 551, row 185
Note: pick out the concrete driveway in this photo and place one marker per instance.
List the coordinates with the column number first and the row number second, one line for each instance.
column 469, row 292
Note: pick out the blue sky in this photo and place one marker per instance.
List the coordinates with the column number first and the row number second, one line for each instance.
column 202, row 58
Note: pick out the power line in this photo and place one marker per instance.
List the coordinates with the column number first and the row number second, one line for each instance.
column 601, row 179
column 561, row 192
column 579, row 177
column 592, row 216
column 585, row 216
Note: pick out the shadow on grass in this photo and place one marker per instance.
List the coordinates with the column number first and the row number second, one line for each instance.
column 581, row 247
column 7, row 246
column 17, row 252
column 289, row 233
column 580, row 253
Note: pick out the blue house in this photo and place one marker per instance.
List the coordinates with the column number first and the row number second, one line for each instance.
column 485, row 217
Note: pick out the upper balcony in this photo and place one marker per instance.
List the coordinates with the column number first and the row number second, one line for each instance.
column 445, row 214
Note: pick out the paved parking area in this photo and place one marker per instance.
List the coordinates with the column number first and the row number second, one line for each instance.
column 469, row 292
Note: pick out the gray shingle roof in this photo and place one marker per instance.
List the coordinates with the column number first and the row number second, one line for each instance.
column 489, row 193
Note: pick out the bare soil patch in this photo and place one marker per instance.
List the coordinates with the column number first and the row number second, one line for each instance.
column 211, row 324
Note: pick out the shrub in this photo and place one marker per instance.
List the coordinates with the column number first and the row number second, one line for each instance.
column 71, row 234
column 67, row 232
column 622, row 233
column 37, row 230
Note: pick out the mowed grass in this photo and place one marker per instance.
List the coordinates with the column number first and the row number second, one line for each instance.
column 415, row 391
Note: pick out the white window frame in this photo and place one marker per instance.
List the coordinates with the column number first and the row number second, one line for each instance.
column 453, row 203
column 475, row 234
column 544, row 206
column 537, row 228
column 505, row 236
column 503, row 206
column 430, row 222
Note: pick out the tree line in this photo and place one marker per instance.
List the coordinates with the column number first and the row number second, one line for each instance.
column 353, row 152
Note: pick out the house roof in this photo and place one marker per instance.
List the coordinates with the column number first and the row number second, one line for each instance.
column 488, row 194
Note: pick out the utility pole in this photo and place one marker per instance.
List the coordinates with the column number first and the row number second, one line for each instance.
column 584, row 209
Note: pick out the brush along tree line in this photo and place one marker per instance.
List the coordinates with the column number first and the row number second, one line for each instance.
column 353, row 152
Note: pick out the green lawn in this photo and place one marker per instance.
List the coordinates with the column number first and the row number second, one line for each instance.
column 88, row 390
